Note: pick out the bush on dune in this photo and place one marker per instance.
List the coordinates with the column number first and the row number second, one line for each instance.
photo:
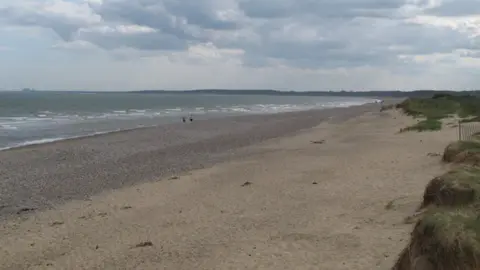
column 387, row 107
column 469, row 107
column 442, row 106
column 463, row 152
column 455, row 188
column 447, row 233
column 430, row 108
column 475, row 137
column 469, row 120
column 444, row 239
column 424, row 125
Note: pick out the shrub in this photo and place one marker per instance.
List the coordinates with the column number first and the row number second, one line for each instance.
column 441, row 106
column 444, row 239
column 463, row 152
column 425, row 125
column 469, row 120
column 458, row 187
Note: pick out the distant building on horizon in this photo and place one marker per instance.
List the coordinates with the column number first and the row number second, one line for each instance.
column 28, row 90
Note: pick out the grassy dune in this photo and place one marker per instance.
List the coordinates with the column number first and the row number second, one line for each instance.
column 447, row 233
column 441, row 106
column 444, row 239
column 425, row 125
column 463, row 152
column 458, row 187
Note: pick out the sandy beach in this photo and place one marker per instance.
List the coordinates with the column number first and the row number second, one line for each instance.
column 42, row 176
column 308, row 190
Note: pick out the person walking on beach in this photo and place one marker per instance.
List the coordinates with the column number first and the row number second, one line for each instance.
column 191, row 118
column 184, row 119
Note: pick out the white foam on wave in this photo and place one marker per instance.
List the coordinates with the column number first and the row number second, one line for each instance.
column 278, row 108
column 8, row 127
column 14, row 123
column 21, row 122
column 348, row 104
column 45, row 118
column 32, row 142
column 56, row 139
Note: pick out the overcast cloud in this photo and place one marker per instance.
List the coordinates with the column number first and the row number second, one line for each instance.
column 281, row 44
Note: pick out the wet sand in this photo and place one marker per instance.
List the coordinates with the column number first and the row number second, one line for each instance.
column 42, row 176
column 283, row 203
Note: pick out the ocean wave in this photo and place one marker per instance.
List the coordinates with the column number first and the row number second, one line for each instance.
column 16, row 127
column 8, row 127
column 54, row 139
column 65, row 118
column 46, row 119
column 32, row 142
column 278, row 108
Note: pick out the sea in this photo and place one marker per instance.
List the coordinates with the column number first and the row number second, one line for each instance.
column 40, row 116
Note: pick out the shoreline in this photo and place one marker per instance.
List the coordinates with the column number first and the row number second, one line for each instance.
column 43, row 176
column 20, row 128
column 101, row 133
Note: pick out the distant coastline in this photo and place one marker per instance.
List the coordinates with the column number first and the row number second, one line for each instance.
column 416, row 93
column 387, row 93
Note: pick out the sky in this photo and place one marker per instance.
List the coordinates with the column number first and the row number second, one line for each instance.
column 240, row 44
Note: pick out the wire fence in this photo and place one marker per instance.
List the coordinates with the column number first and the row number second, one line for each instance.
column 466, row 131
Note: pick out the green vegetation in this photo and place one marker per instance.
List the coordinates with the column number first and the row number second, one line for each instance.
column 425, row 125
column 438, row 107
column 463, row 152
column 429, row 108
column 441, row 106
column 469, row 120
column 447, row 233
column 387, row 107
column 455, row 188
column 444, row 239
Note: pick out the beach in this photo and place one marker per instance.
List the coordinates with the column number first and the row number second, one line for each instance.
column 319, row 189
column 41, row 176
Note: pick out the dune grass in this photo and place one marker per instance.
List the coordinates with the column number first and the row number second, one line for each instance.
column 424, row 125
column 463, row 152
column 444, row 239
column 447, row 233
column 441, row 106
column 387, row 107
column 429, row 108
column 458, row 187
column 471, row 119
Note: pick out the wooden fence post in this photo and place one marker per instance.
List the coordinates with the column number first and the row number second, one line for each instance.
column 459, row 130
